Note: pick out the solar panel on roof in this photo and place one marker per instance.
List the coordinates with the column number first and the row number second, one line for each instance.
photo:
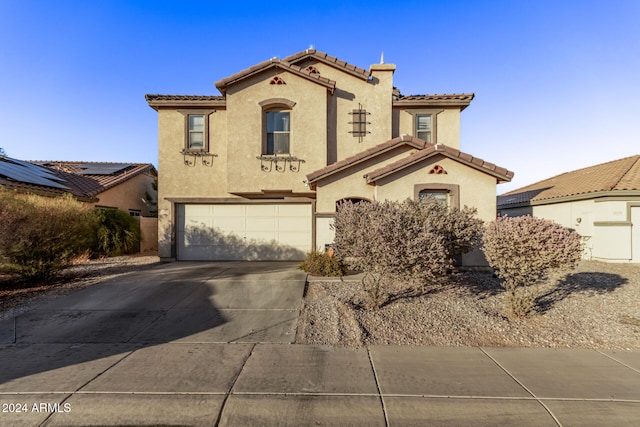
column 102, row 168
column 21, row 173
column 40, row 171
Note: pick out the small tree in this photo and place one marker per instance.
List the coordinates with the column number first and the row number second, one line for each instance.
column 524, row 251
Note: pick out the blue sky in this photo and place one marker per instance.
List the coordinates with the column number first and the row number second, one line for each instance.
column 557, row 83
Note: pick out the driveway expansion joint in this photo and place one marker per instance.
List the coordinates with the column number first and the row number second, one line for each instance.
column 546, row 408
column 380, row 395
column 619, row 361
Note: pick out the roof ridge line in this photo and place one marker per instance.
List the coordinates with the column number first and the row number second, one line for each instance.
column 615, row 184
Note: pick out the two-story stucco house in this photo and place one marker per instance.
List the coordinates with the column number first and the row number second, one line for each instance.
column 257, row 172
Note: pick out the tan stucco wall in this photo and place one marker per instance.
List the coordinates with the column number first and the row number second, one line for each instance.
column 176, row 179
column 350, row 183
column 447, row 123
column 374, row 96
column 149, row 233
column 477, row 189
column 308, row 124
column 129, row 195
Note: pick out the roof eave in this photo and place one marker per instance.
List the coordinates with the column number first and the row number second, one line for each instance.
column 358, row 72
column 418, row 103
column 223, row 84
column 187, row 103
column 501, row 178
column 584, row 196
column 402, row 140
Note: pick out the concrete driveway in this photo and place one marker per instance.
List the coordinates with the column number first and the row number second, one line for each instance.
column 184, row 302
column 209, row 344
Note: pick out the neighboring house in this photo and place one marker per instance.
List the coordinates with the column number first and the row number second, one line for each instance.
column 601, row 202
column 257, row 172
column 125, row 186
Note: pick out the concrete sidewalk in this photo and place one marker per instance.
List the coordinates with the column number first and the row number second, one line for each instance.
column 208, row 344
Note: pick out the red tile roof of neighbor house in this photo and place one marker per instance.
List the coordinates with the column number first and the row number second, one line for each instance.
column 93, row 178
column 425, row 150
column 614, row 176
column 71, row 178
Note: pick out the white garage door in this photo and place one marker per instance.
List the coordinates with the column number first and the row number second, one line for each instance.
column 252, row 232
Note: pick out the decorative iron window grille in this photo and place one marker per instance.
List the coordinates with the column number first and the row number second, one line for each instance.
column 190, row 158
column 359, row 123
column 270, row 161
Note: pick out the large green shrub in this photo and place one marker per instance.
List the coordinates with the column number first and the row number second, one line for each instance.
column 523, row 251
column 40, row 235
column 401, row 246
column 116, row 233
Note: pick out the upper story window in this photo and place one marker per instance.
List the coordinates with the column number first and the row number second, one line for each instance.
column 425, row 124
column 196, row 132
column 278, row 132
column 423, row 127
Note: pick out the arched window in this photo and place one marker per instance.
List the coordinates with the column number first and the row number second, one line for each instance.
column 276, row 126
column 278, row 132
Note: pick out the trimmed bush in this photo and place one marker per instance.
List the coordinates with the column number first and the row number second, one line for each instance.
column 41, row 235
column 116, row 233
column 402, row 246
column 461, row 230
column 323, row 264
column 523, row 251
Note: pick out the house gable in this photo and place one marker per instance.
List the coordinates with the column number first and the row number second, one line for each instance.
column 501, row 174
column 274, row 63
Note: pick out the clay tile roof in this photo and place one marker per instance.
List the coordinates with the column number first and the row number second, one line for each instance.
column 617, row 175
column 89, row 185
column 273, row 63
column 430, row 150
column 327, row 59
column 461, row 100
column 364, row 155
column 153, row 97
column 155, row 100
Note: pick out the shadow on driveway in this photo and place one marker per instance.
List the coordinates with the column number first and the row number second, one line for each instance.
column 95, row 327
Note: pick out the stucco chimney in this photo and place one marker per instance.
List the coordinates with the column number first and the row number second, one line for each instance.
column 382, row 78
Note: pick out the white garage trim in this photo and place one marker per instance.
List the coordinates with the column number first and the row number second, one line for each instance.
column 243, row 231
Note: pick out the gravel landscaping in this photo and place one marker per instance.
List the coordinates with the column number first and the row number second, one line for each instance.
column 597, row 306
